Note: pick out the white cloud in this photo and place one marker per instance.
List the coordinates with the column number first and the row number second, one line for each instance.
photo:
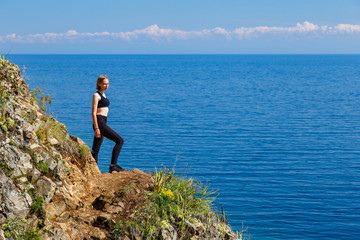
column 248, row 32
column 305, row 27
column 156, row 33
column 347, row 28
column 13, row 37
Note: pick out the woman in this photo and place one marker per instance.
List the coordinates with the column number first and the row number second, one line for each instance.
column 100, row 110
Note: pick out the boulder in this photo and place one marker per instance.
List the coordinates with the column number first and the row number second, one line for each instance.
column 24, row 166
column 14, row 203
column 54, row 142
column 168, row 232
column 35, row 174
column 46, row 188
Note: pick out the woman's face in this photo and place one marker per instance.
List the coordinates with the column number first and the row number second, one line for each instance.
column 104, row 84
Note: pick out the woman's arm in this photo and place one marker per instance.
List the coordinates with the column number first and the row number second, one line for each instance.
column 95, row 101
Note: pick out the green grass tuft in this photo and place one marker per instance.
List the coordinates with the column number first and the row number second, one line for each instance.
column 15, row 228
column 173, row 200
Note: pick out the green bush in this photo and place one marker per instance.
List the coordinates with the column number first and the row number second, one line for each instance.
column 30, row 116
column 15, row 228
column 32, row 234
column 84, row 151
column 174, row 200
column 43, row 167
column 38, row 97
column 4, row 128
column 58, row 129
column 4, row 165
column 37, row 205
column 10, row 124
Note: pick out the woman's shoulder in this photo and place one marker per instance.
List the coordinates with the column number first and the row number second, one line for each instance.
column 96, row 95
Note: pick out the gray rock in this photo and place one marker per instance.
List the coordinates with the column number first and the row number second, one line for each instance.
column 23, row 180
column 190, row 227
column 64, row 216
column 2, row 220
column 78, row 140
column 9, row 153
column 35, row 146
column 13, row 202
column 32, row 221
column 50, row 161
column 54, row 142
column 19, row 120
column 24, row 165
column 3, row 139
column 28, row 199
column 9, row 108
column 28, row 135
column 35, row 174
column 17, row 161
column 2, row 235
column 114, row 208
column 56, row 234
column 12, row 166
column 37, row 124
column 46, row 188
column 168, row 232
column 27, row 127
column 19, row 140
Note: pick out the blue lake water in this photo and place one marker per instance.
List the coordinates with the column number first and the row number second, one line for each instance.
column 277, row 135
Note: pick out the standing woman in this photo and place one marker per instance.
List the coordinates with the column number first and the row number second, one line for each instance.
column 100, row 110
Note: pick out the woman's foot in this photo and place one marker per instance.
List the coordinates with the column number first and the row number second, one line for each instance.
column 116, row 168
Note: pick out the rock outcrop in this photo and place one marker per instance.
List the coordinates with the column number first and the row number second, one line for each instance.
column 51, row 187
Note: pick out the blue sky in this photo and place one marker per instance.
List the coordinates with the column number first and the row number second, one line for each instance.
column 166, row 26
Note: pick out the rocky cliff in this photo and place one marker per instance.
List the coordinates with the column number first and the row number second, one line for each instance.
column 51, row 187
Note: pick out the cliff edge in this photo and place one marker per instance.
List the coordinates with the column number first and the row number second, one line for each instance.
column 51, row 187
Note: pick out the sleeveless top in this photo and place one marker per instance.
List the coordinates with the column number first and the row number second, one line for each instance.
column 104, row 102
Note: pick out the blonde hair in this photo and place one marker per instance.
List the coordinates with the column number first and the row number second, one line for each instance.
column 100, row 80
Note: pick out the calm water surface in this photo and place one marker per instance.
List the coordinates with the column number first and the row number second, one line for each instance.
column 277, row 135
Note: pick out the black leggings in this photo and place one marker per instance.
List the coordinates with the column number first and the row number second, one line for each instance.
column 107, row 132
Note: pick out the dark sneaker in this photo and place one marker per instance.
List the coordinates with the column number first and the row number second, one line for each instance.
column 116, row 168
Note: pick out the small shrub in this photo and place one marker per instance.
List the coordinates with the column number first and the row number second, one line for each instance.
column 10, row 123
column 30, row 116
column 12, row 142
column 41, row 134
column 3, row 95
column 159, row 179
column 4, row 128
column 174, row 200
column 37, row 205
column 43, row 167
column 7, row 124
column 84, row 151
column 167, row 193
column 32, row 234
column 15, row 228
column 58, row 129
column 4, row 165
column 38, row 97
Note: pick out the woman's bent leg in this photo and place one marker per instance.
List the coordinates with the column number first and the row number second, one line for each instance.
column 119, row 141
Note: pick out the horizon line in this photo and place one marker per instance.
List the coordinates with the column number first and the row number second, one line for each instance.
column 8, row 54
